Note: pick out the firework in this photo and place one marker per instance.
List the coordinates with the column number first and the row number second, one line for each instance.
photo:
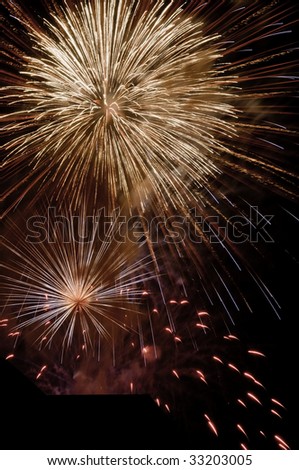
column 137, row 99
column 168, row 111
column 72, row 291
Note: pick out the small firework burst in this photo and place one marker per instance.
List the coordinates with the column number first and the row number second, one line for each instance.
column 68, row 289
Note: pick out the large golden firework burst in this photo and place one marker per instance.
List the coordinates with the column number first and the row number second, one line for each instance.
column 124, row 94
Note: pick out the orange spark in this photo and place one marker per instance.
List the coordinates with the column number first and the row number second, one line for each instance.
column 279, row 439
column 168, row 330
column 201, row 325
column 217, row 359
column 256, row 353
column 241, row 403
column 278, row 403
column 274, row 412
column 234, row 367
column 242, row 430
column 233, row 337
column 253, row 397
column 202, row 314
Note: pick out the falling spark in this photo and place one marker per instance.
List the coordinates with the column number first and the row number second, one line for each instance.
column 277, row 403
column 41, row 372
column 211, row 425
column 202, row 326
column 254, row 398
column 251, row 377
column 217, row 359
column 232, row 366
column 10, row 356
column 256, row 353
column 203, row 314
column 241, row 402
column 281, row 441
column 167, row 408
column 242, row 430
column 274, row 412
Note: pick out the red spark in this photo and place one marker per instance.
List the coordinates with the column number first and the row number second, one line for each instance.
column 283, row 447
column 278, row 403
column 211, row 424
column 242, row 430
column 253, row 397
column 168, row 330
column 234, row 367
column 256, row 353
column 241, row 403
column 213, row 427
column 40, row 372
column 251, row 377
column 233, row 337
column 274, row 412
column 217, row 359
column 202, row 314
column 201, row 325
column 281, row 441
